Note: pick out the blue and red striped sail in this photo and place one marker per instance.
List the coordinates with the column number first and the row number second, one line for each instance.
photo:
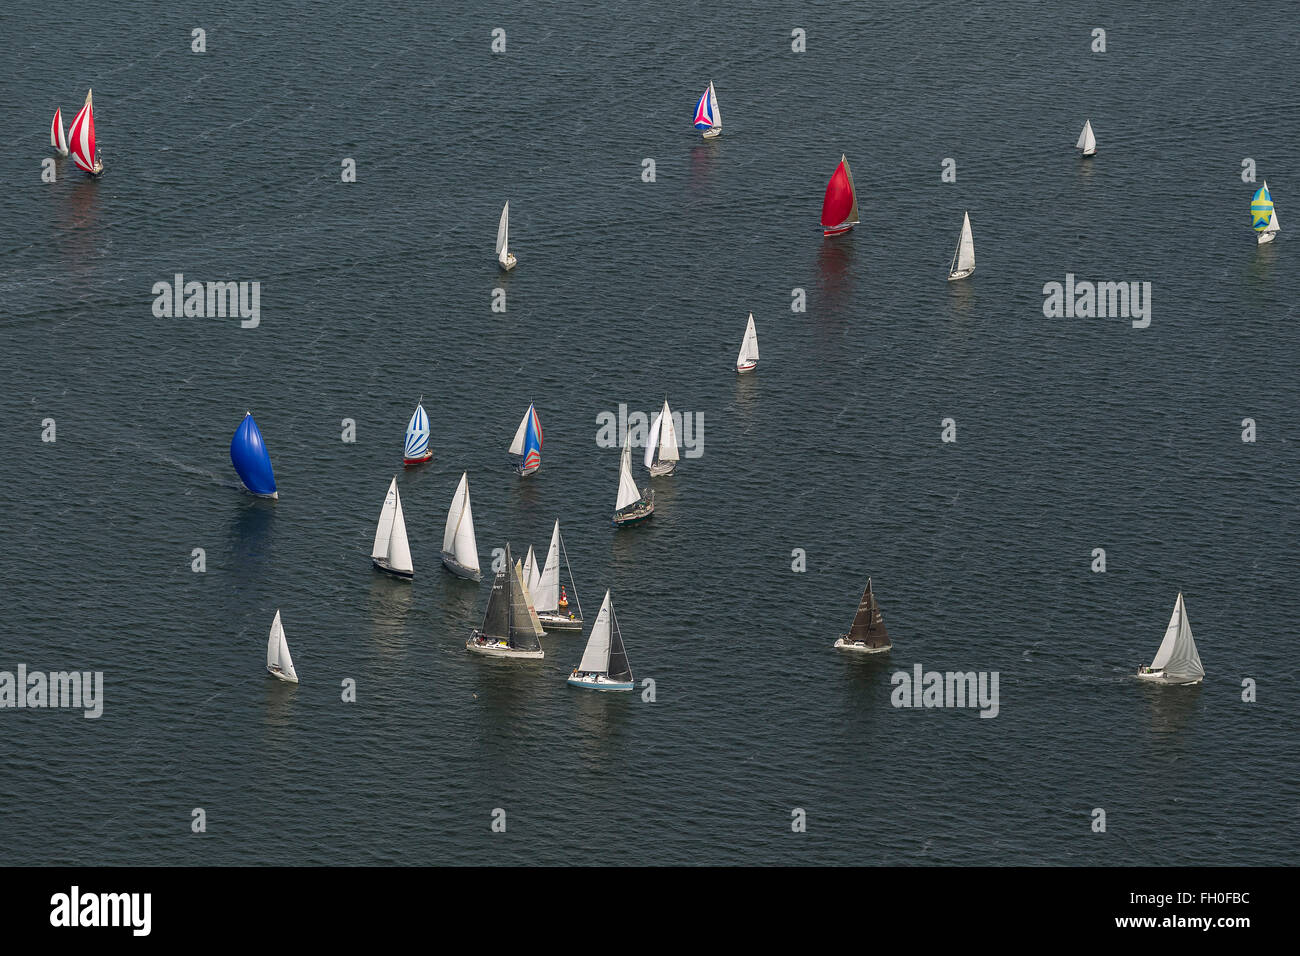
column 704, row 110
column 532, row 443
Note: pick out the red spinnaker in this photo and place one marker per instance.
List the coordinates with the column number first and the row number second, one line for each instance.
column 839, row 198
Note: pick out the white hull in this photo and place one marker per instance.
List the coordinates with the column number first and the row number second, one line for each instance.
column 599, row 682
column 1264, row 237
column 455, row 567
column 280, row 675
column 495, row 649
column 382, row 565
column 509, row 264
column 961, row 275
column 1159, row 677
column 860, row 648
column 662, row 468
column 1090, row 152
column 747, row 367
column 555, row 621
column 712, row 133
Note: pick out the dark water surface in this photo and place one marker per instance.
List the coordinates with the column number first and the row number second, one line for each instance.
column 1073, row 434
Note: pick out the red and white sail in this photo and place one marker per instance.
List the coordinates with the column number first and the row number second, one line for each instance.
column 81, row 137
column 57, row 139
column 840, row 204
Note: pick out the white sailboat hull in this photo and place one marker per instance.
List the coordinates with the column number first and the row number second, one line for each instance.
column 382, row 565
column 713, row 133
column 555, row 621
column 510, row 262
column 746, row 367
column 275, row 672
column 858, row 647
column 455, row 567
column 961, row 274
column 1263, row 237
column 662, row 468
column 599, row 682
column 1160, row 677
column 490, row 648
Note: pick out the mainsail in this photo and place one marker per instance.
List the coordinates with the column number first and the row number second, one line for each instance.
column 1177, row 655
column 748, row 346
column 458, row 538
column 503, row 234
column 391, row 546
column 963, row 258
column 628, row 492
column 546, row 596
column 869, row 625
column 277, row 650
column 525, row 628
column 605, row 653
column 1087, row 142
column 663, row 438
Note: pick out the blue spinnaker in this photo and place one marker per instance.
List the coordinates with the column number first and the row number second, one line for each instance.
column 249, row 456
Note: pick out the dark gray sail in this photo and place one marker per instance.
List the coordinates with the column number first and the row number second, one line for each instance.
column 523, row 626
column 619, row 668
column 869, row 624
column 496, row 620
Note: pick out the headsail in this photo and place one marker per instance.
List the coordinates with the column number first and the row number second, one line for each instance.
column 251, row 460
column 963, row 257
column 595, row 659
column 57, row 139
column 840, row 204
column 869, row 625
column 391, row 545
column 1263, row 214
column 527, row 443
column 417, row 433
column 628, row 492
column 503, row 234
column 546, row 596
column 81, row 136
column 1087, row 142
column 667, row 435
column 277, row 651
column 704, row 116
column 748, row 356
column 1177, row 655
column 525, row 628
column 458, row 538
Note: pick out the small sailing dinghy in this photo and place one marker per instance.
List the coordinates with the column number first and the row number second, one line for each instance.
column 868, row 634
column 632, row 505
column 510, row 625
column 604, row 663
column 278, row 661
column 417, row 450
column 527, row 443
column 81, row 139
column 708, row 117
column 549, row 596
column 1176, row 662
column 963, row 258
column 504, row 255
column 747, row 360
column 57, row 139
column 1264, row 215
column 840, row 204
column 661, row 454
column 459, row 547
column 1087, row 142
column 251, row 460
column 391, row 551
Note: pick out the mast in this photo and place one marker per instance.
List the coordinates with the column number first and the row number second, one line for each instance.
column 869, row 624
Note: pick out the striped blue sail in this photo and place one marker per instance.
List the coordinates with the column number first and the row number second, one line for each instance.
column 417, row 434
column 249, row 456
column 533, row 443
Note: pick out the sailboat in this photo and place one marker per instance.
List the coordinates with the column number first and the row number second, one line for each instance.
column 459, row 547
column 1176, row 662
column 391, row 551
column 251, row 460
column 708, row 117
column 868, row 634
column 604, row 663
column 81, row 139
column 57, row 139
column 549, row 597
column 840, row 204
column 632, row 506
column 510, row 626
column 278, row 661
column 504, row 256
column 416, row 450
column 747, row 360
column 661, row 455
column 963, row 258
column 1264, row 215
column 527, row 443
column 531, row 572
column 1087, row 142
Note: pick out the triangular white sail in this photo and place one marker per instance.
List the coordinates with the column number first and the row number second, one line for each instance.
column 57, row 139
column 595, row 659
column 517, row 445
column 717, row 111
column 391, row 546
column 1272, row 223
column 503, row 235
column 277, row 651
column 1177, row 655
column 531, row 573
column 748, row 345
column 383, row 532
column 1087, row 142
column 652, row 441
column 628, row 492
column 963, row 258
column 854, row 216
column 458, row 539
column 667, row 435
column 546, row 596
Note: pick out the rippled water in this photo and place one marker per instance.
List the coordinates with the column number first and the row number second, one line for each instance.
column 1073, row 434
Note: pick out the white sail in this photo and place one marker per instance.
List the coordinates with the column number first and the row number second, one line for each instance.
column 503, row 235
column 713, row 103
column 667, row 435
column 1177, row 655
column 628, row 492
column 531, row 572
column 963, row 258
column 517, row 445
column 383, row 532
column 546, row 595
column 399, row 549
column 1272, row 223
column 277, row 650
column 1087, row 142
column 748, row 345
column 652, row 442
column 57, row 139
column 595, row 659
column 458, row 539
